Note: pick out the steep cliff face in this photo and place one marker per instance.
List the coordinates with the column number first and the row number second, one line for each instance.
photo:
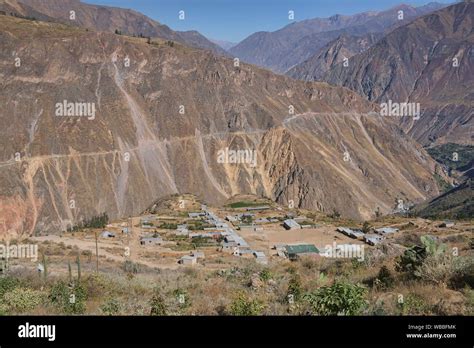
column 164, row 116
column 429, row 61
column 335, row 52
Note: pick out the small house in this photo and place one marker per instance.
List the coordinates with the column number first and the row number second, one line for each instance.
column 188, row 260
column 373, row 239
column 246, row 253
column 196, row 215
column 232, row 218
column 107, row 234
column 198, row 254
column 447, row 223
column 350, row 232
column 261, row 257
column 386, row 230
column 263, row 207
column 291, row 224
column 151, row 241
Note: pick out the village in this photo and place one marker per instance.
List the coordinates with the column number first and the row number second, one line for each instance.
column 194, row 258
column 186, row 232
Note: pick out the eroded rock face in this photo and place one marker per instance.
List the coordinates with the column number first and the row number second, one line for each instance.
column 333, row 53
column 430, row 62
column 161, row 122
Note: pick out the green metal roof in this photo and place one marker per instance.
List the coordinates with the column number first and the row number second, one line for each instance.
column 301, row 249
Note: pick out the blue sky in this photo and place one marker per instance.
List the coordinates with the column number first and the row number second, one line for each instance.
column 234, row 20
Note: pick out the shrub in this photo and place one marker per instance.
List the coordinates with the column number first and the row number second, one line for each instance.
column 110, row 307
column 294, row 287
column 23, row 299
column 7, row 284
column 366, row 227
column 335, row 214
column 341, row 298
column 182, row 297
column 385, row 277
column 157, row 304
column 265, row 275
column 413, row 305
column 69, row 299
column 243, row 305
column 413, row 257
column 131, row 267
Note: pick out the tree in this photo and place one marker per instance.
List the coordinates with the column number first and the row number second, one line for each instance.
column 243, row 305
column 341, row 298
column 366, row 227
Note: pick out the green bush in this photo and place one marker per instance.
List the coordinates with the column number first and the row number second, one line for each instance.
column 131, row 267
column 413, row 258
column 110, row 307
column 294, row 287
column 61, row 296
column 157, row 304
column 243, row 305
column 413, row 305
column 8, row 283
column 385, row 277
column 23, row 299
column 182, row 298
column 265, row 275
column 341, row 298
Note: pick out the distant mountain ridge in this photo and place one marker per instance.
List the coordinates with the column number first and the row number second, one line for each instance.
column 429, row 61
column 287, row 47
column 105, row 18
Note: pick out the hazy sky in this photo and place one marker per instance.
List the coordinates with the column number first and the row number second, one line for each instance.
column 234, row 20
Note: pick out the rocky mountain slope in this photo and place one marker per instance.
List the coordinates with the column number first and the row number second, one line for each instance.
column 285, row 48
column 105, row 18
column 157, row 116
column 457, row 203
column 429, row 61
column 344, row 47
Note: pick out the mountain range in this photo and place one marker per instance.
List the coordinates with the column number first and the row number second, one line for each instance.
column 157, row 115
column 428, row 61
column 285, row 48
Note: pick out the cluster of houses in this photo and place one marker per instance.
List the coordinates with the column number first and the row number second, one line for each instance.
column 231, row 242
column 369, row 238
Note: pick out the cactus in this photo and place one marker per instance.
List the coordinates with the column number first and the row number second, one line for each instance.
column 70, row 271
column 432, row 247
column 78, row 261
column 45, row 268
